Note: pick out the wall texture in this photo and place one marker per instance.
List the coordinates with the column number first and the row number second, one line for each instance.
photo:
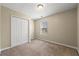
column 6, row 25
column 78, row 27
column 0, row 27
column 62, row 28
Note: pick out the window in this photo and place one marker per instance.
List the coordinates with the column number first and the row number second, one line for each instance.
column 43, row 26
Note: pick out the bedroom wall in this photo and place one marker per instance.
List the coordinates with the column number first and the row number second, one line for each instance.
column 6, row 25
column 62, row 28
column 0, row 27
column 78, row 27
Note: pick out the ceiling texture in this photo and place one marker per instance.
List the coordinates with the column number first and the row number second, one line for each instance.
column 31, row 9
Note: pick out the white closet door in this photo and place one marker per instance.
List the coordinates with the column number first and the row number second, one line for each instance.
column 24, row 30
column 19, row 31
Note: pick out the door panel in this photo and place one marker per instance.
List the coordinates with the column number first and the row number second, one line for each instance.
column 19, row 31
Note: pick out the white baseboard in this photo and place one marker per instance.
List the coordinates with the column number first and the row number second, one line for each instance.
column 61, row 44
column 5, row 48
column 19, row 44
column 11, row 47
column 47, row 41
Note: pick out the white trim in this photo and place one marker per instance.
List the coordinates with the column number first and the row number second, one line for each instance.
column 28, row 29
column 11, row 47
column 19, row 44
column 47, row 41
column 61, row 44
column 5, row 48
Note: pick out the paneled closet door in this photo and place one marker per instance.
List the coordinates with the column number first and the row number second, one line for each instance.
column 19, row 31
column 24, row 30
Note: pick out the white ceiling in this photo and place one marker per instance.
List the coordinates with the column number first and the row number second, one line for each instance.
column 35, row 13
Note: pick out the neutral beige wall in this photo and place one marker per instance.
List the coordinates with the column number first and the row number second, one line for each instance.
column 0, row 27
column 5, row 41
column 78, row 26
column 6, row 25
column 62, row 28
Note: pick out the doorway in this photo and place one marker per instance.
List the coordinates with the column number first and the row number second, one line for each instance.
column 19, row 31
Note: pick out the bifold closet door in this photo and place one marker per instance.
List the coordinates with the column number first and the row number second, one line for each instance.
column 19, row 31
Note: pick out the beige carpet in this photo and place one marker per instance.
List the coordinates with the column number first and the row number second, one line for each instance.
column 40, row 48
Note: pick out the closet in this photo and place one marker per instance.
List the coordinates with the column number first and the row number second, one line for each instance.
column 19, row 31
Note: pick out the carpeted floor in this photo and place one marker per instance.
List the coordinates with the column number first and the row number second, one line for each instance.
column 39, row 48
